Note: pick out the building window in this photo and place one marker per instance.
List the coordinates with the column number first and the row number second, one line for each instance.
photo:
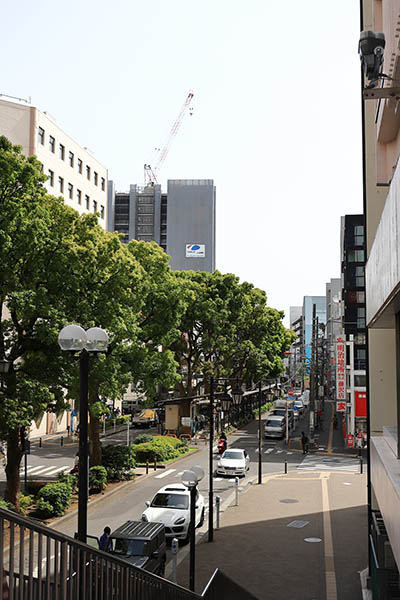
column 87, row 199
column 359, row 235
column 355, row 256
column 360, row 318
column 360, row 381
column 103, row 184
column 94, row 206
column 61, row 152
column 61, row 184
column 356, row 297
column 41, row 136
column 360, row 339
column 88, row 172
column 79, row 165
column 360, row 359
column 95, row 178
column 71, row 158
column 102, row 211
column 52, row 144
column 79, row 196
column 70, row 191
column 51, row 177
column 360, row 279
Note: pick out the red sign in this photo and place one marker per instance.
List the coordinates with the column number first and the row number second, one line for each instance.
column 340, row 406
column 350, row 440
column 361, row 404
column 340, row 369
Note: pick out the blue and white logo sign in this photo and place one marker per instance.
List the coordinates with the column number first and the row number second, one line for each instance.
column 195, row 250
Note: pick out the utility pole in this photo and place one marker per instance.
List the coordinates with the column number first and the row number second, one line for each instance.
column 313, row 379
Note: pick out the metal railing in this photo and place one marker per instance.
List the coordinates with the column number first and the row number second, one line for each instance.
column 40, row 563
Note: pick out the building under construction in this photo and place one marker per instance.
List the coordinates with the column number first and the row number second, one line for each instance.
column 181, row 221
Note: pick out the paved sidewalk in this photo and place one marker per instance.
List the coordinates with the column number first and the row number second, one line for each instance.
column 262, row 545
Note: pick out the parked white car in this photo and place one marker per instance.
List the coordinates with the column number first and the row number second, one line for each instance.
column 233, row 461
column 299, row 406
column 171, row 506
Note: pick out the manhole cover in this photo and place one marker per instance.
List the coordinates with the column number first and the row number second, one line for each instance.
column 312, row 540
column 298, row 524
column 288, row 500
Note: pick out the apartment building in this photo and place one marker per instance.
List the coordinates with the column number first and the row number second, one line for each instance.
column 381, row 149
column 334, row 329
column 181, row 221
column 73, row 172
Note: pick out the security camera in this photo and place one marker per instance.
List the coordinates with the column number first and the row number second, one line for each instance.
column 370, row 49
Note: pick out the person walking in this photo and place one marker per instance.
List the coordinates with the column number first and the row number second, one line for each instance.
column 104, row 542
column 304, row 442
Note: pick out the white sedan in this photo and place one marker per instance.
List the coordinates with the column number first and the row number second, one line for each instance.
column 233, row 461
column 171, row 506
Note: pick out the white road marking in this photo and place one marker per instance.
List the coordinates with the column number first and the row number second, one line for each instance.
column 165, row 474
column 268, row 451
column 58, row 469
column 31, row 469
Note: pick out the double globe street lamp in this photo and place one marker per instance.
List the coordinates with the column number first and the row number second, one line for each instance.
column 190, row 479
column 75, row 339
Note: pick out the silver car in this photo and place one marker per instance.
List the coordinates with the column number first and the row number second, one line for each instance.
column 233, row 462
column 275, row 426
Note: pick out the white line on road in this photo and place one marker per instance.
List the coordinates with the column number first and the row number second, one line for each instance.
column 64, row 468
column 31, row 469
column 268, row 451
column 165, row 474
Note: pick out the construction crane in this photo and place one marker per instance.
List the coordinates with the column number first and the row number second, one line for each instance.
column 150, row 173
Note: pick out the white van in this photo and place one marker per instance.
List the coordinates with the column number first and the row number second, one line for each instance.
column 275, row 426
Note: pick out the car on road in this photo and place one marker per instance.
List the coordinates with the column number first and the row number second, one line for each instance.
column 283, row 413
column 234, row 461
column 299, row 406
column 171, row 506
column 275, row 426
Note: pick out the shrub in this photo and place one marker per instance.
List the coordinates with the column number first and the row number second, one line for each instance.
column 119, row 462
column 4, row 504
column 54, row 499
column 161, row 448
column 69, row 479
column 25, row 501
column 97, row 478
column 142, row 438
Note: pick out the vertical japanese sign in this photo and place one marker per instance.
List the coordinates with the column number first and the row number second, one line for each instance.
column 340, row 369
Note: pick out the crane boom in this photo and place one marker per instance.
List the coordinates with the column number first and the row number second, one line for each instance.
column 150, row 172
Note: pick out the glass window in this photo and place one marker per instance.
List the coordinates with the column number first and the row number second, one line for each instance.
column 87, row 200
column 355, row 256
column 61, row 152
column 51, row 177
column 87, row 171
column 94, row 206
column 79, row 196
column 61, row 184
column 41, row 135
column 360, row 318
column 95, row 178
column 79, row 165
column 360, row 280
column 360, row 381
column 360, row 339
column 103, row 183
column 102, row 211
column 359, row 235
column 52, row 144
column 70, row 191
column 71, row 158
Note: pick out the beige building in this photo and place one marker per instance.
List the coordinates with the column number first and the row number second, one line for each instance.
column 382, row 211
column 73, row 172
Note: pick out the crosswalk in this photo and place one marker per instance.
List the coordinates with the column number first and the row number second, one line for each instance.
column 34, row 471
column 176, row 473
column 329, row 463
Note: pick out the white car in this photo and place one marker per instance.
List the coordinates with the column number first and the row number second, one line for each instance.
column 171, row 506
column 233, row 461
column 299, row 406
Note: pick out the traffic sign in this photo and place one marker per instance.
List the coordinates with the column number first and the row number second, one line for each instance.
column 350, row 440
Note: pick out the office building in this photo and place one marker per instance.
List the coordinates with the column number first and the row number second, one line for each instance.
column 181, row 221
column 333, row 330
column 73, row 172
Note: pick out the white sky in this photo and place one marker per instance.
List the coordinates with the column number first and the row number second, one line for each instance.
column 276, row 119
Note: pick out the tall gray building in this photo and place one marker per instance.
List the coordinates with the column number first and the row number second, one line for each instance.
column 182, row 221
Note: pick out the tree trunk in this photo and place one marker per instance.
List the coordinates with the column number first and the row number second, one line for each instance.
column 94, row 438
column 14, row 456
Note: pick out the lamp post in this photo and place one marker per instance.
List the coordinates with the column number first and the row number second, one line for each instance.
column 237, row 394
column 74, row 338
column 190, row 479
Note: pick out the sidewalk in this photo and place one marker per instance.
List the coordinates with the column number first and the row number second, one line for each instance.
column 262, row 545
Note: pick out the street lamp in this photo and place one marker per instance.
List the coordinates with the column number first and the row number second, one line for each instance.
column 237, row 394
column 74, row 338
column 190, row 479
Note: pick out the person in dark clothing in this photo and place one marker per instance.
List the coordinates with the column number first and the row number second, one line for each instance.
column 304, row 442
column 104, row 541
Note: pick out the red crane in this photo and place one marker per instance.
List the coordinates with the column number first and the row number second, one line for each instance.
column 150, row 173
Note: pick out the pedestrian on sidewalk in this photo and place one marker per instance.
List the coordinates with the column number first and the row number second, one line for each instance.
column 104, row 542
column 304, row 442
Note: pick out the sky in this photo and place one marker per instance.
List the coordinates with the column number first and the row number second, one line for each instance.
column 276, row 119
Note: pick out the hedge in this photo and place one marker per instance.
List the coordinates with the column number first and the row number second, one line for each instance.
column 119, row 462
column 97, row 478
column 161, row 448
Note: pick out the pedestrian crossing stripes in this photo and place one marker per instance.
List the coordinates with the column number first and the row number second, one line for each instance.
column 329, row 463
column 42, row 470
